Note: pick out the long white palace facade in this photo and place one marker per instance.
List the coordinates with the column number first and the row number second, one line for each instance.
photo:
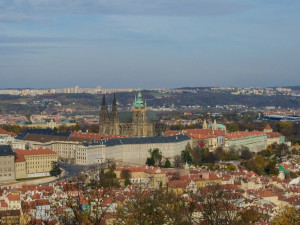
column 73, row 149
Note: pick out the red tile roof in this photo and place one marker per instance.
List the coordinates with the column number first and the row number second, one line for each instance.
column 39, row 151
column 3, row 204
column 39, row 202
column 19, row 158
column 145, row 169
column 269, row 194
column 243, row 134
column 178, row 184
column 268, row 127
column 274, row 134
column 198, row 133
column 13, row 197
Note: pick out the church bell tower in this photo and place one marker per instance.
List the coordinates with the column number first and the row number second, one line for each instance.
column 139, row 117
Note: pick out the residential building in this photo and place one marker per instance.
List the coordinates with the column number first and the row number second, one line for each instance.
column 273, row 137
column 255, row 140
column 7, row 163
column 144, row 176
column 13, row 201
column 10, row 217
column 208, row 138
column 20, row 166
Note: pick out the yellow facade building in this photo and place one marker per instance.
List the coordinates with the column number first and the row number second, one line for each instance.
column 7, row 163
column 38, row 162
column 20, row 166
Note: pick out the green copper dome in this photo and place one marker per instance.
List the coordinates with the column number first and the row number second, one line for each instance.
column 138, row 101
column 220, row 126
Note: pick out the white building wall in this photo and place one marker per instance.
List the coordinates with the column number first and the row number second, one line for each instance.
column 255, row 143
column 89, row 155
column 131, row 153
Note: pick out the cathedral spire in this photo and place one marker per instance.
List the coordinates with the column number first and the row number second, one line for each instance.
column 103, row 100
column 114, row 118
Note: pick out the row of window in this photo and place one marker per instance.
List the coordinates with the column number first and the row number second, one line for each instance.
column 5, row 169
column 5, row 175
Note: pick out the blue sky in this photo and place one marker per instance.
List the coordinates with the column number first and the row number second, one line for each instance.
column 149, row 43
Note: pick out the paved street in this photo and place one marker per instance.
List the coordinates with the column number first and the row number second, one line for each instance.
column 72, row 169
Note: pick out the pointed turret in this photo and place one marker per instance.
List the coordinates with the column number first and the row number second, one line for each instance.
column 114, row 111
column 268, row 129
column 104, row 116
column 215, row 125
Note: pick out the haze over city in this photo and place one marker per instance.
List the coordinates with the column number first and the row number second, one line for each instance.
column 158, row 43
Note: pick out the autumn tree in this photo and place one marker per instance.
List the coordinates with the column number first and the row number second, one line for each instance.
column 154, row 207
column 257, row 165
column 245, row 153
column 177, row 161
column 219, row 153
column 211, row 158
column 251, row 216
column 216, row 205
column 230, row 168
column 287, row 215
column 126, row 175
column 197, row 155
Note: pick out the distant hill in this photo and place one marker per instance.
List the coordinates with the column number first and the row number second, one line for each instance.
column 294, row 87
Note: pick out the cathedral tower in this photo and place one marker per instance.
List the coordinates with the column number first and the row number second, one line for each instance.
column 140, row 125
column 114, row 118
column 104, row 122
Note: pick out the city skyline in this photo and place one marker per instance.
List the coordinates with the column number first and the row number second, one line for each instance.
column 131, row 43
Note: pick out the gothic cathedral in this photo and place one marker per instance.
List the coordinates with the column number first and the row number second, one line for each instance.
column 139, row 126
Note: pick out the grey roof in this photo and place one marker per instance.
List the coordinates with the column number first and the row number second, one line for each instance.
column 47, row 131
column 140, row 140
column 6, row 150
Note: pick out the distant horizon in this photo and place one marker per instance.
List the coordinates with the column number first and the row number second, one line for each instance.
column 146, row 88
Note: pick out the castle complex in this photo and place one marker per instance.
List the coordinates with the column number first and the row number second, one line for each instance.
column 109, row 123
